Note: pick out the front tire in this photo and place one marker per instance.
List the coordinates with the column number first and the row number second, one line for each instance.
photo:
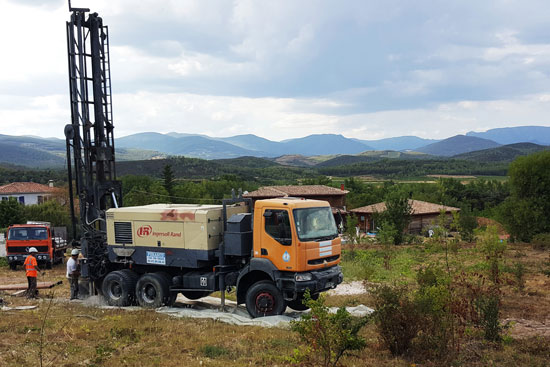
column 13, row 266
column 152, row 290
column 264, row 299
column 118, row 289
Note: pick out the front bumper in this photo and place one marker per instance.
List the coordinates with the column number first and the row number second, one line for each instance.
column 321, row 280
column 20, row 259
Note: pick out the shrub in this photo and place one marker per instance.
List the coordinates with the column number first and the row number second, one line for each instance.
column 410, row 239
column 489, row 308
column 494, row 248
column 541, row 241
column 518, row 270
column 397, row 318
column 328, row 336
column 214, row 351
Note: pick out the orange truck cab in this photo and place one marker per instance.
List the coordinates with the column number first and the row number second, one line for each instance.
column 296, row 247
column 21, row 237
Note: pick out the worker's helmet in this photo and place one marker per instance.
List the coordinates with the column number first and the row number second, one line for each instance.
column 32, row 249
column 75, row 252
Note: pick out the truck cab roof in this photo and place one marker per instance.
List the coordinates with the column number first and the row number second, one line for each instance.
column 290, row 202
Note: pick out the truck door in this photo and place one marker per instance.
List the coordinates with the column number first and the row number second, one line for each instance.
column 277, row 242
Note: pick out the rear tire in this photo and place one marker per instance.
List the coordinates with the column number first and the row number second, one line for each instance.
column 171, row 299
column 132, row 277
column 152, row 290
column 118, row 289
column 264, row 299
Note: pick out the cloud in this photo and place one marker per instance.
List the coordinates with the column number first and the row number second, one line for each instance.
column 285, row 69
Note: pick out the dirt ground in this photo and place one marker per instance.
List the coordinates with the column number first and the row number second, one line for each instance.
column 527, row 312
column 78, row 335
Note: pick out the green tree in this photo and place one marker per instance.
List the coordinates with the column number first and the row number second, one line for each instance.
column 143, row 190
column 466, row 225
column 168, row 177
column 397, row 214
column 50, row 211
column 351, row 228
column 526, row 212
column 11, row 212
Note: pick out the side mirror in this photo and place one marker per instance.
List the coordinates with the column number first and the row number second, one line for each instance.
column 268, row 213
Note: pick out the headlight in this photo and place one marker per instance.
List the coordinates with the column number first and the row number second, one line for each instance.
column 11, row 257
column 303, row 277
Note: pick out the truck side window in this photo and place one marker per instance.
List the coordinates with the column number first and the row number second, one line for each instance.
column 277, row 225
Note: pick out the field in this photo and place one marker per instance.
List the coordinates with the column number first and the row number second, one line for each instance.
column 63, row 333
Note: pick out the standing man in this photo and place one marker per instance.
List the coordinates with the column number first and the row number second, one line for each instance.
column 73, row 272
column 31, row 269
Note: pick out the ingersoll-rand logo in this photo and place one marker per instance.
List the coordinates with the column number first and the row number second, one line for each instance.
column 144, row 231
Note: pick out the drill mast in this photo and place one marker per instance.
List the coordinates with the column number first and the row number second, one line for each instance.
column 89, row 136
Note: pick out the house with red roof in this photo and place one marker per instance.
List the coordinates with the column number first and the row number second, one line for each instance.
column 28, row 193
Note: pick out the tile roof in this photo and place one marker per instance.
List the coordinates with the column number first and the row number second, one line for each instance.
column 418, row 207
column 302, row 190
column 26, row 188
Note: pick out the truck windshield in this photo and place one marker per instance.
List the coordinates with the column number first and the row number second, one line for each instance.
column 315, row 224
column 23, row 234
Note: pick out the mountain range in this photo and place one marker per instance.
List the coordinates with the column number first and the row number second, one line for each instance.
column 34, row 151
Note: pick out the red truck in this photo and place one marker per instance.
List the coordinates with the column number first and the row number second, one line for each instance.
column 50, row 242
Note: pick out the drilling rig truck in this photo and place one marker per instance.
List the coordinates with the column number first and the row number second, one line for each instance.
column 270, row 251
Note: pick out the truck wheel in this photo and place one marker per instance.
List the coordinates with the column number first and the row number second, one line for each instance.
column 13, row 266
column 298, row 305
column 49, row 264
column 264, row 299
column 118, row 289
column 132, row 281
column 152, row 290
column 171, row 298
column 196, row 294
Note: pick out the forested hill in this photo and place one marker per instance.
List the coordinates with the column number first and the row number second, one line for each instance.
column 246, row 168
column 371, row 156
column 505, row 153
column 399, row 168
column 457, row 145
column 11, row 173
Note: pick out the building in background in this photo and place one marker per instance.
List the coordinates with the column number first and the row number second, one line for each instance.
column 423, row 215
column 28, row 193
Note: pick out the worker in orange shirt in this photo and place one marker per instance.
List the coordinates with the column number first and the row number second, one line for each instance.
column 31, row 268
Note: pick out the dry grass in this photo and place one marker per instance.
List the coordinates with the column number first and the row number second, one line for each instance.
column 77, row 335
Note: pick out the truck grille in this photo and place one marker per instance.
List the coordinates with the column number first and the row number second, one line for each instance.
column 23, row 249
column 322, row 260
column 123, row 233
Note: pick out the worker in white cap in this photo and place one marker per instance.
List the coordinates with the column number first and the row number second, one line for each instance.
column 31, row 270
column 73, row 272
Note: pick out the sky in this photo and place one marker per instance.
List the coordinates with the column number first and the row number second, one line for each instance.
column 286, row 69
